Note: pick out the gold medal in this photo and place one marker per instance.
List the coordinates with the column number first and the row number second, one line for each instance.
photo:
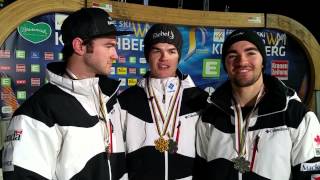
column 161, row 144
column 241, row 164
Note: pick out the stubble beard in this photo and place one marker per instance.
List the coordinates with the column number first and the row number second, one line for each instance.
column 246, row 83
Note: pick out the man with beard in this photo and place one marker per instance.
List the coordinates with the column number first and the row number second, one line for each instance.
column 255, row 126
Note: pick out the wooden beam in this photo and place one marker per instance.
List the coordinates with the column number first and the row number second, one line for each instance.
column 153, row 14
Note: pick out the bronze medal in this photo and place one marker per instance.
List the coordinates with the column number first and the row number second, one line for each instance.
column 173, row 146
column 241, row 164
column 108, row 151
column 161, row 144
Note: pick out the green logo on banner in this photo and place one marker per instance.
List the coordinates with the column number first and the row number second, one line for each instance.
column 132, row 59
column 143, row 71
column 60, row 56
column 211, row 68
column 20, row 54
column 35, row 33
column 21, row 95
column 5, row 82
column 35, row 68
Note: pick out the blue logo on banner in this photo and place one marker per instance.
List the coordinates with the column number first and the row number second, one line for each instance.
column 35, row 55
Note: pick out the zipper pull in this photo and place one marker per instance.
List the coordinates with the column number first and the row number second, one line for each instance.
column 163, row 98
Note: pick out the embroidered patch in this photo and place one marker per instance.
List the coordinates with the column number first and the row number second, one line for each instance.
column 14, row 135
column 171, row 88
column 316, row 145
column 310, row 166
column 317, row 152
column 317, row 140
column 274, row 130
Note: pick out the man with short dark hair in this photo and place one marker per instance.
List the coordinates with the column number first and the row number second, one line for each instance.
column 255, row 126
column 161, row 112
column 70, row 128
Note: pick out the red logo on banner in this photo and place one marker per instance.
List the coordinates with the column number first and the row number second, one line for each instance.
column 280, row 69
column 5, row 68
column 122, row 59
column 21, row 81
column 132, row 70
column 20, row 68
column 35, row 81
column 48, row 56
column 5, row 54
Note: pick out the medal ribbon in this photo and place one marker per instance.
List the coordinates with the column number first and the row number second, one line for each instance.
column 108, row 133
column 242, row 125
column 155, row 106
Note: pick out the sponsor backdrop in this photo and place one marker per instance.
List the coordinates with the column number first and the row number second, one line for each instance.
column 25, row 53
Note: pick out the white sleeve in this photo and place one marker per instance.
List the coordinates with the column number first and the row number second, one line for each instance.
column 32, row 146
column 202, row 139
column 306, row 140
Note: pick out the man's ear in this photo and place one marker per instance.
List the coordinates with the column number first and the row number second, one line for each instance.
column 78, row 47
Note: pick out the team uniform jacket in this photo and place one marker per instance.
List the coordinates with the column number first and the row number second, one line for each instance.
column 283, row 139
column 56, row 133
column 143, row 160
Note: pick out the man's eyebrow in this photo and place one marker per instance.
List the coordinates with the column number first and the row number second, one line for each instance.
column 251, row 49
column 247, row 49
column 231, row 51
column 155, row 48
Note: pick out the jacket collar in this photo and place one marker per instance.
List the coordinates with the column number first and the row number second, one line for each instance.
column 180, row 75
column 276, row 97
column 55, row 71
column 185, row 79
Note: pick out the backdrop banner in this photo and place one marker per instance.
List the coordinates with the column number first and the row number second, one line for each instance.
column 36, row 42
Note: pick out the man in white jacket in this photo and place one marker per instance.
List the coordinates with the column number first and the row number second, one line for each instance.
column 161, row 112
column 255, row 127
column 70, row 128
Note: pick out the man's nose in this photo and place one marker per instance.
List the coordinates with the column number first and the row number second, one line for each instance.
column 164, row 56
column 114, row 55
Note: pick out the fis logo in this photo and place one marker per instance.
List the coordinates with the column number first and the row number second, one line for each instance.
column 218, row 35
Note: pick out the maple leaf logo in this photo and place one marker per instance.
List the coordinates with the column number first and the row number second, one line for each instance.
column 317, row 140
column 316, row 178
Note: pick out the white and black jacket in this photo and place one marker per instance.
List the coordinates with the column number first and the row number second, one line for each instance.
column 144, row 162
column 56, row 133
column 283, row 140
